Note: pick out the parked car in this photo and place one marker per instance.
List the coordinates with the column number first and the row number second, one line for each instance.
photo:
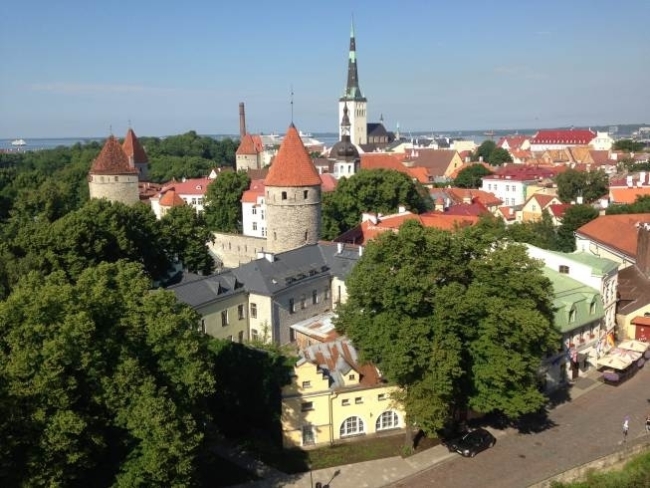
column 469, row 444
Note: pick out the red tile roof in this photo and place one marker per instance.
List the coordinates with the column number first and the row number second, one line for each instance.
column 250, row 145
column 475, row 208
column 628, row 195
column 383, row 161
column 454, row 174
column 638, row 320
column 133, row 149
column 421, row 174
column 112, row 160
column 524, row 173
column 615, row 231
column 292, row 165
column 514, row 142
column 557, row 209
column 483, row 197
column 543, row 199
column 328, row 182
column 171, row 199
column 255, row 190
column 192, row 186
column 569, row 136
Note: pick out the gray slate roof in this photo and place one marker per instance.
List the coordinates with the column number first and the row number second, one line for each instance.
column 199, row 292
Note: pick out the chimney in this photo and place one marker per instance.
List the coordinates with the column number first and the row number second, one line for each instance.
column 643, row 249
column 339, row 247
column 401, row 209
column 360, row 251
column 242, row 120
column 579, row 200
column 269, row 256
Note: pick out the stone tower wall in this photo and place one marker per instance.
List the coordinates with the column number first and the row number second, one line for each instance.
column 290, row 215
column 246, row 161
column 115, row 188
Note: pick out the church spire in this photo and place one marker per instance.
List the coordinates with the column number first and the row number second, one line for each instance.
column 352, row 90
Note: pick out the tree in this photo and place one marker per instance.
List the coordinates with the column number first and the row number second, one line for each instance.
column 574, row 217
column 484, row 151
column 572, row 184
column 185, row 235
column 375, row 191
column 499, row 156
column 468, row 328
column 102, row 382
column 628, row 145
column 640, row 205
column 223, row 201
column 471, row 176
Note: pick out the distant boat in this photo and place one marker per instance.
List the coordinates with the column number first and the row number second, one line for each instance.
column 305, row 134
column 18, row 142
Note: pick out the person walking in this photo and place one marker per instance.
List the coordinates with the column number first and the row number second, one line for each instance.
column 626, row 427
column 647, row 424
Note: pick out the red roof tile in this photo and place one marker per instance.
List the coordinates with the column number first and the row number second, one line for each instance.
column 133, row 149
column 328, row 182
column 171, row 199
column 628, row 195
column 638, row 320
column 514, row 142
column 112, row 160
column 383, row 161
column 569, row 136
column 454, row 174
column 192, row 186
column 255, row 190
column 292, row 165
column 483, row 197
column 250, row 145
column 557, row 209
column 615, row 231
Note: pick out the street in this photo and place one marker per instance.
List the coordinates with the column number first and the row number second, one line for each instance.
column 580, row 431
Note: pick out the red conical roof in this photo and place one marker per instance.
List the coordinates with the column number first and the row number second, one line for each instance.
column 171, row 199
column 133, row 149
column 112, row 160
column 292, row 165
column 247, row 145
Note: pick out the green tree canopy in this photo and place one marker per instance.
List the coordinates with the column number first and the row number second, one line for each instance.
column 102, row 382
column 590, row 185
column 640, row 205
column 628, row 145
column 223, row 201
column 456, row 320
column 574, row 217
column 499, row 156
column 484, row 151
column 471, row 176
column 374, row 191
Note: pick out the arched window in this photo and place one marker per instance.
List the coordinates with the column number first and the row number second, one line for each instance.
column 387, row 420
column 352, row 426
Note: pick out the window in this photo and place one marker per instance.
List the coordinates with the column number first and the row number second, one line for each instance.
column 345, row 402
column 240, row 312
column 352, row 377
column 381, row 397
column 229, row 338
column 284, row 195
column 292, row 306
column 564, row 269
column 507, row 187
column 314, row 297
column 262, row 214
column 263, row 231
column 305, row 194
column 533, row 208
column 306, row 234
column 253, row 310
column 358, row 400
column 254, row 225
column 572, row 315
column 308, row 436
column 224, row 318
column 275, row 236
column 303, row 302
column 306, row 384
column 203, row 325
column 327, row 293
column 253, row 335
column 592, row 308
column 352, row 426
column 306, row 406
column 254, row 210
column 240, row 336
column 387, row 420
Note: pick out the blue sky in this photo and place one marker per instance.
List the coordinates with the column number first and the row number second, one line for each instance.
column 76, row 68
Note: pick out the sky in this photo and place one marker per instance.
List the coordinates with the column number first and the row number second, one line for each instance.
column 75, row 68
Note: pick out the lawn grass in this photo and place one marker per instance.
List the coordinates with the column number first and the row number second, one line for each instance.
column 299, row 461
column 635, row 474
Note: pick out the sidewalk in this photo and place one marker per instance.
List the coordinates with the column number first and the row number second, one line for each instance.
column 383, row 472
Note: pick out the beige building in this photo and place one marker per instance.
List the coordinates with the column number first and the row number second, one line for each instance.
column 334, row 398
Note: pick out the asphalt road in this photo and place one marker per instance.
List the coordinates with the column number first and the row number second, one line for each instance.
column 579, row 431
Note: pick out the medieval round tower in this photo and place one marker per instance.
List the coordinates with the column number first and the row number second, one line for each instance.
column 293, row 197
column 112, row 177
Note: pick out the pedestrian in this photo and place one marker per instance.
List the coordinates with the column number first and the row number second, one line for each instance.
column 647, row 423
column 626, row 427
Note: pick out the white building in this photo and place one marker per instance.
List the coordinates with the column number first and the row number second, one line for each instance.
column 253, row 210
column 192, row 191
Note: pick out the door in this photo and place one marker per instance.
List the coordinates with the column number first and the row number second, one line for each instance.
column 641, row 333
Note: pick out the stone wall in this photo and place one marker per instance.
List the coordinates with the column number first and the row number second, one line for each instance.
column 236, row 249
column 610, row 462
column 115, row 188
column 246, row 161
column 293, row 220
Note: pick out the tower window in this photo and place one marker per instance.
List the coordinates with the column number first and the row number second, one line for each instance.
column 306, row 234
column 305, row 194
column 284, row 195
column 275, row 236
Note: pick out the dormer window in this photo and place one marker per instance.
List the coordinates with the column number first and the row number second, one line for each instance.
column 572, row 315
column 564, row 269
column 592, row 308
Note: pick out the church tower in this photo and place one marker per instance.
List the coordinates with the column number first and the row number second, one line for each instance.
column 293, row 197
column 344, row 153
column 355, row 101
column 112, row 177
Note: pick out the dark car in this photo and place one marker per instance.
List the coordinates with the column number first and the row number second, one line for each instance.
column 471, row 443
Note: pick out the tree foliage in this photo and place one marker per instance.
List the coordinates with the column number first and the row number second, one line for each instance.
column 102, row 382
column 590, row 185
column 223, row 201
column 483, row 152
column 471, row 176
column 457, row 320
column 574, row 217
column 628, row 145
column 499, row 156
column 640, row 205
column 375, row 191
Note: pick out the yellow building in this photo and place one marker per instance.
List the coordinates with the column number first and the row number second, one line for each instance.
column 332, row 398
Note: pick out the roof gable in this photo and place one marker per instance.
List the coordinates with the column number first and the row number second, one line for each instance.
column 618, row 232
column 112, row 160
column 292, row 166
column 133, row 149
column 247, row 146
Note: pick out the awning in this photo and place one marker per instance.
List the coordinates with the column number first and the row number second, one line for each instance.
column 614, row 362
column 633, row 345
